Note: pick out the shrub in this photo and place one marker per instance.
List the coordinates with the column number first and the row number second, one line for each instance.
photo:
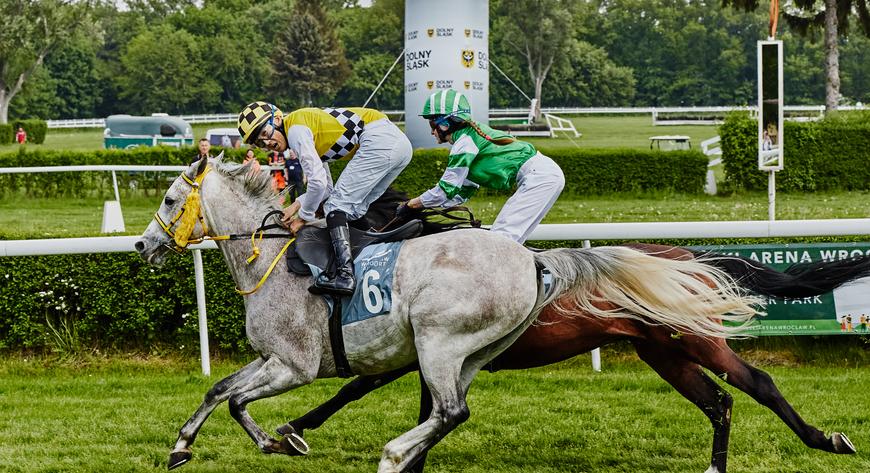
column 6, row 133
column 36, row 130
column 587, row 171
column 819, row 156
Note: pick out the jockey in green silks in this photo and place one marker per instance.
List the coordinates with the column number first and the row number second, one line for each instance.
column 483, row 157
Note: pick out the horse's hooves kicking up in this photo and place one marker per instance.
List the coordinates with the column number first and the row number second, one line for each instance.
column 842, row 444
column 291, row 444
column 288, row 429
column 178, row 458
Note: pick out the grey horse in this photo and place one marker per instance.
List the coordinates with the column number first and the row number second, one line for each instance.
column 459, row 299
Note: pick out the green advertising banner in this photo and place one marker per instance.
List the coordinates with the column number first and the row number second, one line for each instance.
column 844, row 311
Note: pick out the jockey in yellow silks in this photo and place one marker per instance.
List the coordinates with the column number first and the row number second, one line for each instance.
column 377, row 149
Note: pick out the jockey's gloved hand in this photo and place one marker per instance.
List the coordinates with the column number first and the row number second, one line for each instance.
column 404, row 211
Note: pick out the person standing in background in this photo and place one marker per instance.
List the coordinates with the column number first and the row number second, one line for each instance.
column 204, row 148
column 295, row 178
column 21, row 136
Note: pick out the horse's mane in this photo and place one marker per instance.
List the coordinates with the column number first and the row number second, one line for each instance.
column 258, row 185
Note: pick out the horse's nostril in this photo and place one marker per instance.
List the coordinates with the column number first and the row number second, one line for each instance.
column 140, row 245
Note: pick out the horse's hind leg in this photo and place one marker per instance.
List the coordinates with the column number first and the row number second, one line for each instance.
column 722, row 361
column 219, row 393
column 448, row 410
column 689, row 380
column 350, row 392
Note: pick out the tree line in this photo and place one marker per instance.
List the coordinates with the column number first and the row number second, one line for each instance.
column 90, row 58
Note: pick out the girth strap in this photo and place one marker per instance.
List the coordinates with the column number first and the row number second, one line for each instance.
column 336, row 340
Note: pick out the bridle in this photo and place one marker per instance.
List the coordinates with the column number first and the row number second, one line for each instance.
column 191, row 212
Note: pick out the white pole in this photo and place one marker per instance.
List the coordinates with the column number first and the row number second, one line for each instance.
column 115, row 185
column 771, row 196
column 200, row 305
column 596, row 353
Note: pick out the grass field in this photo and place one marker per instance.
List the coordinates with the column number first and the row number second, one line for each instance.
column 123, row 416
column 50, row 218
column 598, row 132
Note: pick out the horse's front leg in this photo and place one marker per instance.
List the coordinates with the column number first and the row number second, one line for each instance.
column 219, row 393
column 350, row 392
column 273, row 378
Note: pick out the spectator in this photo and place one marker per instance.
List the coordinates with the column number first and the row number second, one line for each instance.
column 226, row 142
column 204, row 148
column 21, row 136
column 249, row 157
column 279, row 182
column 294, row 175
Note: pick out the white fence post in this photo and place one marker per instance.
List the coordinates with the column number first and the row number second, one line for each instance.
column 596, row 352
column 200, row 308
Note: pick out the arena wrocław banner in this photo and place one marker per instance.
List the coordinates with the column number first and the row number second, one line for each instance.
column 846, row 310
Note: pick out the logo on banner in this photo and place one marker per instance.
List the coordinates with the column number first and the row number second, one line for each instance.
column 467, row 84
column 482, row 60
column 444, row 84
column 478, row 34
column 430, row 83
column 477, row 85
column 444, row 32
column 411, row 87
column 467, row 32
column 417, row 59
column 412, row 35
column 430, row 32
column 468, row 57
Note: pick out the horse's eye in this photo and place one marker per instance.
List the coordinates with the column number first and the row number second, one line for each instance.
column 169, row 201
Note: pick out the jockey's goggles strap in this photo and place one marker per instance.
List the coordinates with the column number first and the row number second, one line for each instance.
column 268, row 271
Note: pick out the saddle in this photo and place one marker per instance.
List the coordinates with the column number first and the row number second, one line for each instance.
column 313, row 245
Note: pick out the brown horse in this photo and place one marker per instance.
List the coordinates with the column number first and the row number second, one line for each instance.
column 566, row 331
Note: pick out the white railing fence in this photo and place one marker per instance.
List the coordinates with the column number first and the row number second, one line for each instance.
column 572, row 231
column 398, row 115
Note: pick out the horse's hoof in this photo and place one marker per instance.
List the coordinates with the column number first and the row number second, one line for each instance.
column 288, row 429
column 294, row 444
column 178, row 458
column 842, row 444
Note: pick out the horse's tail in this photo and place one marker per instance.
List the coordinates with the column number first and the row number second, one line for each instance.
column 798, row 280
column 689, row 296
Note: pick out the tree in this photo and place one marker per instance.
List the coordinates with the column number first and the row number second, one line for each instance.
column 540, row 31
column 830, row 16
column 308, row 62
column 375, row 37
column 164, row 71
column 29, row 31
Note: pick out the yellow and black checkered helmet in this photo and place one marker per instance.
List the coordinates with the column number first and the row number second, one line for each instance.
column 253, row 117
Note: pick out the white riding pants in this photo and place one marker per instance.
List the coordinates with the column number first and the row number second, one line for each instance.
column 383, row 153
column 539, row 183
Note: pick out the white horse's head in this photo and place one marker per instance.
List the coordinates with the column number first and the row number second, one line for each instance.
column 186, row 214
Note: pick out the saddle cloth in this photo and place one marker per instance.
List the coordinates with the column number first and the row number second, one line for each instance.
column 361, row 333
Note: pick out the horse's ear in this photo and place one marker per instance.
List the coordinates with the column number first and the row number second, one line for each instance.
column 203, row 163
column 219, row 157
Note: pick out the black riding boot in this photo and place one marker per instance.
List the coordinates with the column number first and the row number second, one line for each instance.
column 341, row 283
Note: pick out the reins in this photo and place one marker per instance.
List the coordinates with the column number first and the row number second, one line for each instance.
column 191, row 212
column 447, row 213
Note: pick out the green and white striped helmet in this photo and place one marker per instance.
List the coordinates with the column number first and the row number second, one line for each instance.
column 447, row 102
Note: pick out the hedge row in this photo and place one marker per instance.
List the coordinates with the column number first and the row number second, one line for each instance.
column 74, row 303
column 587, row 171
column 35, row 129
column 819, row 156
column 116, row 302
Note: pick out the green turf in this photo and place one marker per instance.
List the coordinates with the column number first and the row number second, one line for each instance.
column 50, row 218
column 123, row 416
